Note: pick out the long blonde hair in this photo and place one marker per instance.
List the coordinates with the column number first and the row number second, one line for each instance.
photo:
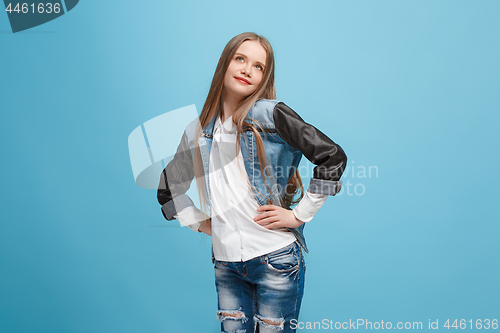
column 212, row 107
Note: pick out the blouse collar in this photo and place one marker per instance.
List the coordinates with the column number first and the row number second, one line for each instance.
column 228, row 127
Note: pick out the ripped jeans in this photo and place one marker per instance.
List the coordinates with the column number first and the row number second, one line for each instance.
column 262, row 294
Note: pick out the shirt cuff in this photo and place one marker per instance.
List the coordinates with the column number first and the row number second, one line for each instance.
column 191, row 217
column 309, row 205
column 171, row 207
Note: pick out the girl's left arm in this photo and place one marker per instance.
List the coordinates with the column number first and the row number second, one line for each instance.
column 329, row 158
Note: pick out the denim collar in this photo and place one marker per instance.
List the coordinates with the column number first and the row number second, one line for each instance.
column 209, row 129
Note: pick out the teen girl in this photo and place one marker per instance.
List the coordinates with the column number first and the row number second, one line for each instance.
column 244, row 150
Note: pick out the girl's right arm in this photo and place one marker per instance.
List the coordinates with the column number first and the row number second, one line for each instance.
column 206, row 227
column 175, row 180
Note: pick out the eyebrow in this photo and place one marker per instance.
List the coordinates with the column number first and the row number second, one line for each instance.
column 263, row 66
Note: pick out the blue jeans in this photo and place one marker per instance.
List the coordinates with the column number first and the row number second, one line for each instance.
column 262, row 294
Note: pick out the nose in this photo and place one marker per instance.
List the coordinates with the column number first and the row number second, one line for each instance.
column 246, row 70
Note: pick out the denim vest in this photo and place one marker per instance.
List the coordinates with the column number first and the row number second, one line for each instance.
column 282, row 159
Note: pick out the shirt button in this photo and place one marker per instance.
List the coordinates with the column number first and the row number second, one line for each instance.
column 242, row 246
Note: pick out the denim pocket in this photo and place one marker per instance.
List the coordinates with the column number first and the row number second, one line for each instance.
column 284, row 260
column 217, row 262
column 220, row 264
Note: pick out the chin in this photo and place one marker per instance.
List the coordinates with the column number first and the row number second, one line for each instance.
column 241, row 93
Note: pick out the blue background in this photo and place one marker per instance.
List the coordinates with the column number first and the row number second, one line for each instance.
column 410, row 87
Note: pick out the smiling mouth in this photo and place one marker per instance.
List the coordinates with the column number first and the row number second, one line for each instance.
column 242, row 80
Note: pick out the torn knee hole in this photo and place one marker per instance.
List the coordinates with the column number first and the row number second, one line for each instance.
column 238, row 314
column 272, row 322
column 231, row 314
column 277, row 323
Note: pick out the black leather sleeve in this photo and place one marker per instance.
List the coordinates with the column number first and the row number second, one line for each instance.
column 175, row 180
column 329, row 157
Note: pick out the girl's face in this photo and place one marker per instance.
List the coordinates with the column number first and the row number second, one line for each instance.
column 246, row 70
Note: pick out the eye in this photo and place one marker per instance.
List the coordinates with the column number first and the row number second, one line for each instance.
column 239, row 58
column 259, row 67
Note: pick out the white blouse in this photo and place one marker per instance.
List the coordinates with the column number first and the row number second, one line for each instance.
column 235, row 235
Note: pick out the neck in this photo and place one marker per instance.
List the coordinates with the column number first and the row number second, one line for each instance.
column 229, row 105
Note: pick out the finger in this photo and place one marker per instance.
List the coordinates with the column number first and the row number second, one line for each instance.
column 263, row 215
column 273, row 225
column 270, row 219
column 265, row 207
